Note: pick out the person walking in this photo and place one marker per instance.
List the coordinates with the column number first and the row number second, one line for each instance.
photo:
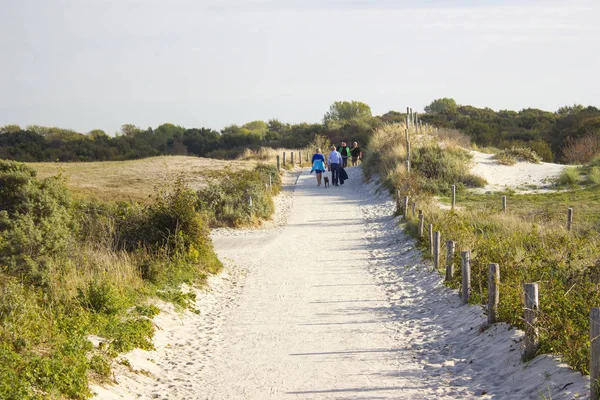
column 318, row 165
column 335, row 162
column 356, row 154
column 345, row 152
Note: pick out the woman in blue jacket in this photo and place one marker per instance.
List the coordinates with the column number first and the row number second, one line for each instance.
column 318, row 165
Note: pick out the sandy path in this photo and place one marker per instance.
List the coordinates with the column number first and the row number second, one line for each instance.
column 336, row 304
column 312, row 321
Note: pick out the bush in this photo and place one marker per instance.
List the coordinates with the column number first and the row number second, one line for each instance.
column 510, row 156
column 569, row 177
column 226, row 201
column 594, row 176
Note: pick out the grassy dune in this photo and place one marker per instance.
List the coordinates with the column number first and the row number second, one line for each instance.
column 134, row 180
column 530, row 242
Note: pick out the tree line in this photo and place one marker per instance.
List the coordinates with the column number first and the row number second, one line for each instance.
column 570, row 134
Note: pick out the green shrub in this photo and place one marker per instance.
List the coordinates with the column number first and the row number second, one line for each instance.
column 100, row 364
column 505, row 158
column 226, row 201
column 569, row 177
column 510, row 156
column 594, row 176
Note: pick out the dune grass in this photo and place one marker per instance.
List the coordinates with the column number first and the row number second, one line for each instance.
column 530, row 243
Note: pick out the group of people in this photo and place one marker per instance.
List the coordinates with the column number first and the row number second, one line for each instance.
column 335, row 162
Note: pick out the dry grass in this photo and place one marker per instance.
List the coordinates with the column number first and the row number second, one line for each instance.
column 268, row 154
column 134, row 180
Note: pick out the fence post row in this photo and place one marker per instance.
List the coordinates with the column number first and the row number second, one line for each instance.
column 450, row 245
column 493, row 293
column 569, row 219
column 437, row 237
column 595, row 352
column 531, row 330
column 466, row 275
column 421, row 223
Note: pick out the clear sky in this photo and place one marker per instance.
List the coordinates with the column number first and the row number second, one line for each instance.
column 86, row 64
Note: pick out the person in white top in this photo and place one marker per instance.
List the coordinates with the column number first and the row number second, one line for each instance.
column 335, row 161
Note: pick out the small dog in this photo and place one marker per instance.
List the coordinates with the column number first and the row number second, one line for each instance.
column 326, row 180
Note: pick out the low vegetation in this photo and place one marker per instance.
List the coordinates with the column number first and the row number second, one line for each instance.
column 530, row 243
column 71, row 268
column 514, row 154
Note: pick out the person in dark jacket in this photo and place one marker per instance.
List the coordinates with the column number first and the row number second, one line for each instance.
column 345, row 152
column 356, row 153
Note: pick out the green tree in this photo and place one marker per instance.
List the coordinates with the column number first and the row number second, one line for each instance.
column 567, row 110
column 443, row 105
column 343, row 112
column 129, row 130
column 10, row 128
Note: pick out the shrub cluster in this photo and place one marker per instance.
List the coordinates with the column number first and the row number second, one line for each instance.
column 436, row 162
column 68, row 270
column 226, row 200
column 514, row 154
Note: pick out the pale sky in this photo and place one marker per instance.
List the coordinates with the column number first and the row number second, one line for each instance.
column 87, row 64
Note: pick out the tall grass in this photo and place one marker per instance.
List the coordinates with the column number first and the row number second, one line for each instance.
column 437, row 160
column 528, row 247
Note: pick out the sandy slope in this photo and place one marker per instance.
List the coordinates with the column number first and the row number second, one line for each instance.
column 335, row 304
column 523, row 176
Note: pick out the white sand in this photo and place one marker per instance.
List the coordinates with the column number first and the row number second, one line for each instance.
column 337, row 304
column 523, row 177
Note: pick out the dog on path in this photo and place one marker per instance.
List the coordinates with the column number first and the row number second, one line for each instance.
column 326, row 180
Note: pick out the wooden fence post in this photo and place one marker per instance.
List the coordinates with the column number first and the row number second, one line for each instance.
column 437, row 237
column 531, row 330
column 569, row 219
column 407, row 150
column 466, row 275
column 250, row 200
column 450, row 245
column 398, row 204
column 504, row 204
column 278, row 164
column 421, row 223
column 284, row 159
column 414, row 206
column 406, row 134
column 431, row 239
column 595, row 352
column 292, row 158
column 407, row 123
column 300, row 157
column 407, row 165
column 307, row 156
column 271, row 177
column 405, row 208
column 493, row 293
column 453, row 196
